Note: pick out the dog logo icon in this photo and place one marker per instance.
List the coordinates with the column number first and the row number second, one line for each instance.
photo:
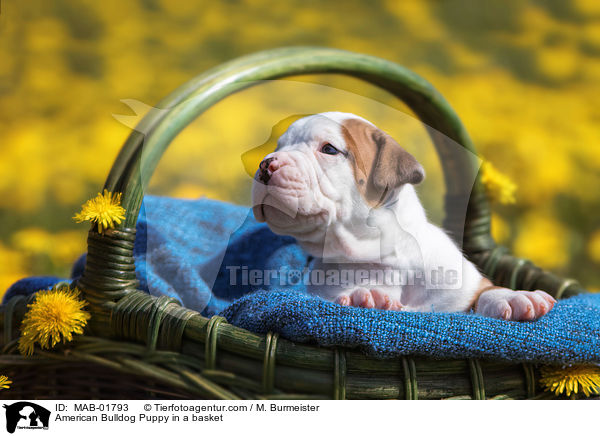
column 26, row 415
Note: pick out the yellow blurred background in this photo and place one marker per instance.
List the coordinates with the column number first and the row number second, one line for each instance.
column 523, row 76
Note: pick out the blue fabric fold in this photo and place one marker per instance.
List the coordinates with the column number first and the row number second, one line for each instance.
column 201, row 252
column 569, row 333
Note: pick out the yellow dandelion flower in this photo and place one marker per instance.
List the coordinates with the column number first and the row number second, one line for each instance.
column 571, row 379
column 105, row 210
column 54, row 315
column 498, row 186
column 4, row 382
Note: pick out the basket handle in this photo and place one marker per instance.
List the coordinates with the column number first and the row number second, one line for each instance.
column 141, row 152
column 132, row 170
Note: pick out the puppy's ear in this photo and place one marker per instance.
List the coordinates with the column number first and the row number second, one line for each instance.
column 393, row 166
column 380, row 164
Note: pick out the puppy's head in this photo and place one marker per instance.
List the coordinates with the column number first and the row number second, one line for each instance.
column 327, row 168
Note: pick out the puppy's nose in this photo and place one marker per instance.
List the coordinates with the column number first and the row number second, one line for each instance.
column 266, row 170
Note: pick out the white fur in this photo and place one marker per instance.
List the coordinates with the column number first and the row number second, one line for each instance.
column 313, row 197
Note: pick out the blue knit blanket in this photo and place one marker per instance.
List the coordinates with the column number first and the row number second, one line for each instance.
column 203, row 253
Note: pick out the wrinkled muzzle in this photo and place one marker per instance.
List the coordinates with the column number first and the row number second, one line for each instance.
column 284, row 190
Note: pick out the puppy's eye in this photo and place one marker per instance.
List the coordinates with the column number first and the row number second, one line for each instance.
column 329, row 149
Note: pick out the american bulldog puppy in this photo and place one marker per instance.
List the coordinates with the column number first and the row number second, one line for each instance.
column 345, row 190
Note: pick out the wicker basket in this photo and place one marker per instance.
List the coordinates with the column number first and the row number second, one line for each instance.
column 137, row 346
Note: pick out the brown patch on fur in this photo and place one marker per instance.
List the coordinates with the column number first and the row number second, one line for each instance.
column 379, row 163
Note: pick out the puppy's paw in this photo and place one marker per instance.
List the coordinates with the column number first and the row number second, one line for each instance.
column 370, row 299
column 503, row 303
